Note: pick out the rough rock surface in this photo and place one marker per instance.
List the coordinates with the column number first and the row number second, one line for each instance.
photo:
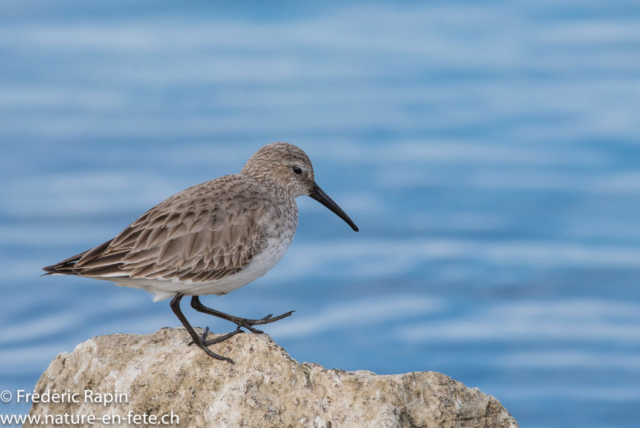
column 264, row 388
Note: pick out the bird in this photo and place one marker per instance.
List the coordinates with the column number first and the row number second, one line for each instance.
column 211, row 238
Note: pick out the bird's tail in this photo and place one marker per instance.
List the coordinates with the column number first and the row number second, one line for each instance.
column 64, row 267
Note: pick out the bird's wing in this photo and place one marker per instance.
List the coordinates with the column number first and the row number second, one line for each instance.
column 191, row 236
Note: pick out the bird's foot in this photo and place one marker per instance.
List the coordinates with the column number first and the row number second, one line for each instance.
column 249, row 323
column 240, row 322
column 221, row 338
column 203, row 338
column 200, row 340
column 203, row 343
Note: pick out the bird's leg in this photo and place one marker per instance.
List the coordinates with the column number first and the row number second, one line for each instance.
column 175, row 306
column 203, row 337
column 240, row 322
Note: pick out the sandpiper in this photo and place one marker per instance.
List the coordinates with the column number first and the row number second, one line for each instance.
column 211, row 238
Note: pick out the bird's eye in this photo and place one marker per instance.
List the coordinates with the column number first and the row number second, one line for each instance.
column 297, row 170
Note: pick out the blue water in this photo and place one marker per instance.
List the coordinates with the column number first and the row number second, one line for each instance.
column 489, row 153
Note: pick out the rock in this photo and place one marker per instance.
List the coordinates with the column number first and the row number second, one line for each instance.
column 159, row 375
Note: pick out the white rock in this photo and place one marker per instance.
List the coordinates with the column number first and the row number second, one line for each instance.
column 264, row 388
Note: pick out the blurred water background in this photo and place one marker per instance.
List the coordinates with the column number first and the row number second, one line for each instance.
column 489, row 153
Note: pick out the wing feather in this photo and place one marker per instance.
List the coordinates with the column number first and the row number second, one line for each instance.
column 195, row 235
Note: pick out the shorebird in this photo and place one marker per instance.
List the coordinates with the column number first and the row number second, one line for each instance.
column 211, row 238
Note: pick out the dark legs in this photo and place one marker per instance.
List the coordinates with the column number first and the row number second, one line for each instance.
column 240, row 322
column 200, row 341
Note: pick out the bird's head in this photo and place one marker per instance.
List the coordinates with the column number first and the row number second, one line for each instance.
column 291, row 169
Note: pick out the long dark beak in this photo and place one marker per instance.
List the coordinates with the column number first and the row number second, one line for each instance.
column 325, row 200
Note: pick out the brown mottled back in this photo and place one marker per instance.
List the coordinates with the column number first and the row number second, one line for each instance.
column 208, row 231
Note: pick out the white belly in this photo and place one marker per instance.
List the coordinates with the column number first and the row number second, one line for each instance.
column 258, row 266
